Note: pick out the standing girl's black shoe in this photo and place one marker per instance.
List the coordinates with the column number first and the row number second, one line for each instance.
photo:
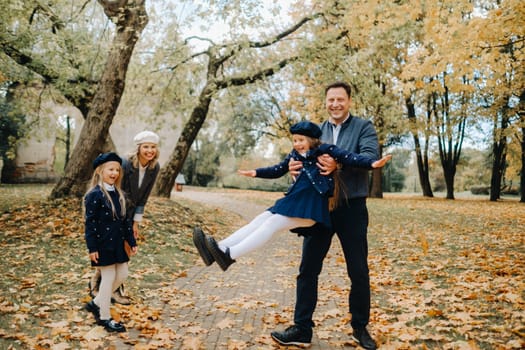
column 94, row 309
column 112, row 326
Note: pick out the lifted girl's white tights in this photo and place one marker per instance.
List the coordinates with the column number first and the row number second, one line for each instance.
column 259, row 231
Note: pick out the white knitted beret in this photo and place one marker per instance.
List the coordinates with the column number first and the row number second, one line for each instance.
column 146, row 136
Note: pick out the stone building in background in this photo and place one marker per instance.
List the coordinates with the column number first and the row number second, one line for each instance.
column 40, row 156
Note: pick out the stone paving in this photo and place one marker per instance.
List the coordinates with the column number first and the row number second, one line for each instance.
column 238, row 309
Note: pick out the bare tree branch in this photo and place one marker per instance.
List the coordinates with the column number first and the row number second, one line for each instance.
column 251, row 78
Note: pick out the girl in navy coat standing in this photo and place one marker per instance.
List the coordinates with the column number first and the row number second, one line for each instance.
column 140, row 171
column 305, row 203
column 106, row 229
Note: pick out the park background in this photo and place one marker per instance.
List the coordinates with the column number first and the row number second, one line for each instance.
column 443, row 83
column 221, row 82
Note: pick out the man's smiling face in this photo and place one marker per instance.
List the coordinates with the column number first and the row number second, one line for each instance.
column 337, row 104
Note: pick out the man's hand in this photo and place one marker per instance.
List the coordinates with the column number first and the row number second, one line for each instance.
column 294, row 167
column 381, row 162
column 326, row 164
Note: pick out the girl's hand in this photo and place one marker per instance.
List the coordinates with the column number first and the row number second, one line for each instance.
column 93, row 257
column 250, row 173
column 134, row 250
column 381, row 162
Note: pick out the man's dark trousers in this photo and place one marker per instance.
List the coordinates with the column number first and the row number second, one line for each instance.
column 350, row 222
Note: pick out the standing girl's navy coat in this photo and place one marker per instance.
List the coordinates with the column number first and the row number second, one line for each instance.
column 308, row 196
column 105, row 232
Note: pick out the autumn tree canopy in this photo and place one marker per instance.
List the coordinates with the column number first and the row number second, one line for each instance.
column 427, row 74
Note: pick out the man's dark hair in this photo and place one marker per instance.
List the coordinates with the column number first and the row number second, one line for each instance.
column 339, row 84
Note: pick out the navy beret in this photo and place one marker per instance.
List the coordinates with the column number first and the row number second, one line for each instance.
column 306, row 128
column 106, row 157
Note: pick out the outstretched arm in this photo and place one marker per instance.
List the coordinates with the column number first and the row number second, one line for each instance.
column 250, row 173
column 381, row 162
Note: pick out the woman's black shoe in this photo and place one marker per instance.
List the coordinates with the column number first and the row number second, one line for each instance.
column 223, row 259
column 94, row 309
column 199, row 239
column 112, row 326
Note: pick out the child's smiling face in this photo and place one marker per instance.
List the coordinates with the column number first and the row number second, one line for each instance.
column 110, row 172
column 301, row 143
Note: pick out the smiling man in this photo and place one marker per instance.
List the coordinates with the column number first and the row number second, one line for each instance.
column 349, row 222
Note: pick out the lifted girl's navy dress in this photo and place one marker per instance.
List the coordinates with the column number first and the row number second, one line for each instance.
column 308, row 196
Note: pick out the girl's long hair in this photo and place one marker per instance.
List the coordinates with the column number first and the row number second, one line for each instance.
column 134, row 158
column 339, row 190
column 339, row 185
column 97, row 180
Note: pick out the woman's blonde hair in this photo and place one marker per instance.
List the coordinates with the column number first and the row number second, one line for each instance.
column 96, row 179
column 134, row 158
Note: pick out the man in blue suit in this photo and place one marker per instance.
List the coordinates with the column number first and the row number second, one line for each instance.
column 349, row 222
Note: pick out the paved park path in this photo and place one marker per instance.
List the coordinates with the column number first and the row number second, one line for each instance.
column 238, row 309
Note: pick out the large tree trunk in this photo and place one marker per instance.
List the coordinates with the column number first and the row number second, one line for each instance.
column 499, row 153
column 449, row 172
column 131, row 20
column 171, row 169
column 498, row 165
column 421, row 155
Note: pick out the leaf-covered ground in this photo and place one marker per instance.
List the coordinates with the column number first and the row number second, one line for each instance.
column 445, row 274
column 45, row 267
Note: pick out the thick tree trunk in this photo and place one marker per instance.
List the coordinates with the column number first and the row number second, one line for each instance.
column 171, row 169
column 499, row 148
column 449, row 173
column 497, row 172
column 131, row 19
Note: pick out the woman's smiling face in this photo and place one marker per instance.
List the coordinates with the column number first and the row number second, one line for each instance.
column 147, row 152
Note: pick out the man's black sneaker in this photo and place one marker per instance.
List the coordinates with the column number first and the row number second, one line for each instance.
column 363, row 338
column 223, row 259
column 199, row 239
column 293, row 335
